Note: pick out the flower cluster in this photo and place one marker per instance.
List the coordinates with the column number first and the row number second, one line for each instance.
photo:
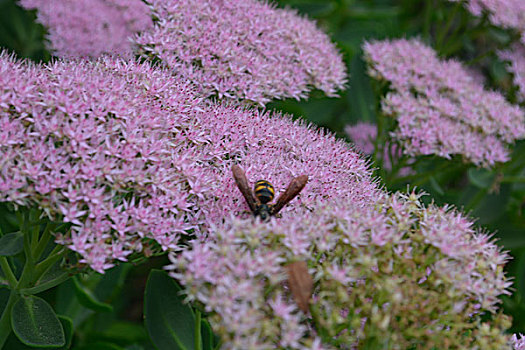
column 400, row 276
column 362, row 135
column 519, row 343
column 103, row 146
column 126, row 152
column 503, row 13
column 277, row 149
column 89, row 28
column 439, row 107
column 516, row 58
column 242, row 49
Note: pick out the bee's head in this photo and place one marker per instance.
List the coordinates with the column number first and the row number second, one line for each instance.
column 264, row 215
column 263, row 191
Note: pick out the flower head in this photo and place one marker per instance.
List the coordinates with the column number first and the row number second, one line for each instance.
column 439, row 107
column 391, row 270
column 242, row 49
column 515, row 56
column 89, row 28
column 126, row 153
column 518, row 343
column 102, row 146
column 362, row 135
column 503, row 13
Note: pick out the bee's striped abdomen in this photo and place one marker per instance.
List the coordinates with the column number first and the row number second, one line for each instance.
column 263, row 191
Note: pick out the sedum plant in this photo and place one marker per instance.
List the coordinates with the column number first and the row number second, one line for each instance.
column 439, row 107
column 90, row 28
column 398, row 276
column 242, row 49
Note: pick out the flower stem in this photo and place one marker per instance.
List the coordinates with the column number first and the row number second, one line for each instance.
column 513, row 179
column 445, row 29
column 47, row 285
column 11, row 279
column 44, row 240
column 198, row 337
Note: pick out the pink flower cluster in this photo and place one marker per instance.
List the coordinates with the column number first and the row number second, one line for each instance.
column 439, row 107
column 390, row 266
column 516, row 65
column 105, row 147
column 362, row 135
column 89, row 28
column 518, row 343
column 277, row 149
column 126, row 152
column 242, row 49
column 502, row 13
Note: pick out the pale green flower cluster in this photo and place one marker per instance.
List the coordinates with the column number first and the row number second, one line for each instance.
column 400, row 276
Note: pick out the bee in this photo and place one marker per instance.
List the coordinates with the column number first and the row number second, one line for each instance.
column 263, row 193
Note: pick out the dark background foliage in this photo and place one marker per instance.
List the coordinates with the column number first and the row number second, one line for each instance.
column 110, row 317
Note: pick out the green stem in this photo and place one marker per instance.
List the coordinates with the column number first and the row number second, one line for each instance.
column 5, row 320
column 513, row 179
column 57, row 254
column 428, row 18
column 11, row 279
column 423, row 177
column 34, row 240
column 443, row 32
column 44, row 240
column 198, row 337
column 379, row 142
column 479, row 57
column 474, row 202
column 47, row 285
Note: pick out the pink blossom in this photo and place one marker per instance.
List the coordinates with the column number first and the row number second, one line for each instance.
column 78, row 142
column 126, row 152
column 503, row 13
column 515, row 56
column 242, row 49
column 362, row 135
column 440, row 108
column 89, row 28
column 518, row 343
column 243, row 266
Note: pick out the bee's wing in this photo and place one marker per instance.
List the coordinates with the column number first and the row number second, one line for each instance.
column 242, row 182
column 293, row 190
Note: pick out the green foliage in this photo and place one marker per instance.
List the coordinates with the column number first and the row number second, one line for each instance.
column 36, row 324
column 87, row 299
column 20, row 33
column 171, row 323
column 11, row 243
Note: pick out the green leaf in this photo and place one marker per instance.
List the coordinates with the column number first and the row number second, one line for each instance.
column 124, row 332
column 100, row 346
column 481, row 178
column 67, row 325
column 435, row 186
column 170, row 322
column 207, row 336
column 11, row 243
column 361, row 96
column 88, row 299
column 35, row 323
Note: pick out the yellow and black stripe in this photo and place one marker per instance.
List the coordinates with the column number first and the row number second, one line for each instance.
column 264, row 191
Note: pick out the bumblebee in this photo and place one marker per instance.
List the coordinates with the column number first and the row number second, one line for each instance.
column 263, row 193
